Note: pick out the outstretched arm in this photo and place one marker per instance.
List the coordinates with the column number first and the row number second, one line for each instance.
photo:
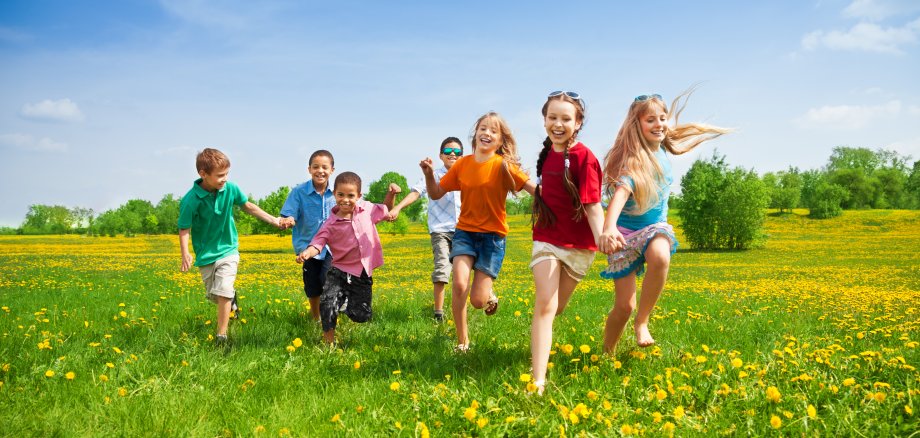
column 391, row 194
column 435, row 191
column 256, row 211
column 410, row 198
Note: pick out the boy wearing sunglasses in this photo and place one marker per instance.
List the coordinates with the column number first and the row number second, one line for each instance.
column 442, row 220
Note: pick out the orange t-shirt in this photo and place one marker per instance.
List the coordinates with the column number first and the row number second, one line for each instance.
column 482, row 193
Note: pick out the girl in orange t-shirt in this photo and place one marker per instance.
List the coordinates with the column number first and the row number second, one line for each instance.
column 484, row 180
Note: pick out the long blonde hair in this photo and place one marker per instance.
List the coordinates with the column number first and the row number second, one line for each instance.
column 631, row 155
column 508, row 150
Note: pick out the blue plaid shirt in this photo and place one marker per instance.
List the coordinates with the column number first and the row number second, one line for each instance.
column 443, row 213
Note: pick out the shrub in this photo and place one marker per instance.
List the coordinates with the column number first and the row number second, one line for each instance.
column 722, row 208
column 827, row 200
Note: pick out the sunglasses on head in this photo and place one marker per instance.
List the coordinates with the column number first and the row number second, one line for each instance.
column 452, row 151
column 571, row 94
column 645, row 97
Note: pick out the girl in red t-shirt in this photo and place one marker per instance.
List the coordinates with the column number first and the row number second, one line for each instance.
column 567, row 220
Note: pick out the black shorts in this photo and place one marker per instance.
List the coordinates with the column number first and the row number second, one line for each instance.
column 345, row 293
column 314, row 275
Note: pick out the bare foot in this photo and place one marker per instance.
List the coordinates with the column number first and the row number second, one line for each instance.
column 643, row 337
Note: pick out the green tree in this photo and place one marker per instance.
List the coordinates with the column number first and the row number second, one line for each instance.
column 826, row 201
column 913, row 186
column 788, row 191
column 48, row 219
column 167, row 213
column 378, row 191
column 722, row 208
column 520, row 203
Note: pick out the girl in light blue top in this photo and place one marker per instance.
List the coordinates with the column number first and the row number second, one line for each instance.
column 636, row 232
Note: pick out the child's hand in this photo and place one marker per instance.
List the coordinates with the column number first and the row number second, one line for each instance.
column 302, row 257
column 392, row 215
column 394, row 188
column 287, row 222
column 427, row 166
column 186, row 262
column 611, row 241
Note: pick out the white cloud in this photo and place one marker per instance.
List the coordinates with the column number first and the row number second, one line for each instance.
column 29, row 143
column 847, row 116
column 868, row 37
column 63, row 110
column 876, row 10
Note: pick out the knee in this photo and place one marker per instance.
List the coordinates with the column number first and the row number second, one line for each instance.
column 623, row 309
column 658, row 259
column 478, row 303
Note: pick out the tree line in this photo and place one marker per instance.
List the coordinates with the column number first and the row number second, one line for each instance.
column 853, row 178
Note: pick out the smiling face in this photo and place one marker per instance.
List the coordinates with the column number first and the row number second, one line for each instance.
column 654, row 125
column 561, row 123
column 215, row 180
column 488, row 136
column 346, row 196
column 455, row 151
column 320, row 170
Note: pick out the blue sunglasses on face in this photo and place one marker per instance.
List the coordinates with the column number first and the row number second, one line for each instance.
column 452, row 151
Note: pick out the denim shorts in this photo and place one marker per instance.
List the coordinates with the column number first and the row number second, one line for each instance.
column 487, row 250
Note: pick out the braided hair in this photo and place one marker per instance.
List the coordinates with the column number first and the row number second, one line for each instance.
column 542, row 216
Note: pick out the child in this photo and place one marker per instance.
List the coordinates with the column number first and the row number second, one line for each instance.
column 206, row 212
column 352, row 237
column 442, row 220
column 568, row 219
column 484, row 180
column 638, row 169
column 308, row 206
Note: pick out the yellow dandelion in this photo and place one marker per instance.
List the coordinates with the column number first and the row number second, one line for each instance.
column 394, row 386
column 908, row 410
column 531, row 387
column 679, row 412
column 49, row 373
column 849, row 381
column 617, row 364
column 773, row 394
column 510, row 419
column 668, row 427
column 122, row 392
column 567, row 349
column 103, row 378
column 812, row 412
column 879, row 397
column 357, row 364
column 116, row 349
column 595, row 358
column 776, row 422
column 656, row 417
column 584, row 349
column 423, row 430
column 737, row 363
column 290, row 348
column 525, row 378
column 701, row 359
column 110, row 365
column 482, row 422
column 661, row 394
column 626, row 429
column 297, row 343
column 469, row 413
column 335, row 418
column 70, row 375
column 592, row 395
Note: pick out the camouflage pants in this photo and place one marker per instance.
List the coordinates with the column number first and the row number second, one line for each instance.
column 345, row 293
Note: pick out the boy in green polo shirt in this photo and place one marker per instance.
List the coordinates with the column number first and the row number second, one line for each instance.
column 206, row 213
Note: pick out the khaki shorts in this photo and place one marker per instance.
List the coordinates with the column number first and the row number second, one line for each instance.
column 575, row 261
column 219, row 277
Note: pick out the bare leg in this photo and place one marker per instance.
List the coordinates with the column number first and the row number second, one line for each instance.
column 481, row 290
column 314, row 307
column 657, row 259
column 439, row 296
column 223, row 314
column 329, row 336
column 553, row 289
column 462, row 266
column 623, row 306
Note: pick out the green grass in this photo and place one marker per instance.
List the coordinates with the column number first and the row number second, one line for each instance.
column 820, row 303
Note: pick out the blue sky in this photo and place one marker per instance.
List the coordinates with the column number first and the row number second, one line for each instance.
column 106, row 101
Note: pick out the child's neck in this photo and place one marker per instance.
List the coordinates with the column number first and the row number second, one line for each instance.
column 320, row 189
column 483, row 155
column 562, row 147
column 342, row 215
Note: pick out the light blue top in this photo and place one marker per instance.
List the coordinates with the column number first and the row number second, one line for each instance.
column 442, row 213
column 659, row 212
column 309, row 210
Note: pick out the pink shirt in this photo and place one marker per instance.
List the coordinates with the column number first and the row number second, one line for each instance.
column 354, row 242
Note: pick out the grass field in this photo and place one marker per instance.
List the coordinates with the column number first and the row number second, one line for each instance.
column 815, row 333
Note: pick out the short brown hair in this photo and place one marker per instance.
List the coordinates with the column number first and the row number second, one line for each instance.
column 210, row 160
column 348, row 178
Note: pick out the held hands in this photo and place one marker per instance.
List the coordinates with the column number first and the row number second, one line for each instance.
column 286, row 222
column 611, row 241
column 302, row 257
column 392, row 215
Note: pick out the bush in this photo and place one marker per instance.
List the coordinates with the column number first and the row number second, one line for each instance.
column 827, row 200
column 722, row 208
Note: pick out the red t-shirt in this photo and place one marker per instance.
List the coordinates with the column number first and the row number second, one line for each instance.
column 586, row 175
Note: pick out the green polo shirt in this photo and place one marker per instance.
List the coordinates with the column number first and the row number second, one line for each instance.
column 210, row 216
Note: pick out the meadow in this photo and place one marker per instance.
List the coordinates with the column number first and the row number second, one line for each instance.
column 813, row 333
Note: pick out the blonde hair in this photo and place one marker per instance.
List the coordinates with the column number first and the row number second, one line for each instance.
column 508, row 149
column 631, row 155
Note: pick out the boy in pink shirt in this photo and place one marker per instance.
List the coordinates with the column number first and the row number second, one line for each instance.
column 355, row 245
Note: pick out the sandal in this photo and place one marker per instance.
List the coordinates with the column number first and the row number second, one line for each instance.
column 491, row 305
